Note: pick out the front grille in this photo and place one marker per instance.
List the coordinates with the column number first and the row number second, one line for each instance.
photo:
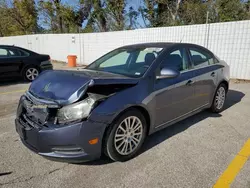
column 34, row 114
column 28, row 123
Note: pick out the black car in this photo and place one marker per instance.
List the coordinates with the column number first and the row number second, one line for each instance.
column 114, row 103
column 16, row 62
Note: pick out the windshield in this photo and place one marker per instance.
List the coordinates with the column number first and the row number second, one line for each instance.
column 129, row 62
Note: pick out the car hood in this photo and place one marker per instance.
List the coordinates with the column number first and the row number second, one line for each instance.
column 66, row 87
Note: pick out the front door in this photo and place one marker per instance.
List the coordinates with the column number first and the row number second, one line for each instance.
column 10, row 62
column 174, row 96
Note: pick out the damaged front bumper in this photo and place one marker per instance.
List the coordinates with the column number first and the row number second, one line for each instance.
column 67, row 143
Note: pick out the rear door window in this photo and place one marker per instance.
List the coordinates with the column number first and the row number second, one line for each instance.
column 14, row 53
column 201, row 58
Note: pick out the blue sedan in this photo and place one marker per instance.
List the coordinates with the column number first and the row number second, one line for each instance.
column 113, row 104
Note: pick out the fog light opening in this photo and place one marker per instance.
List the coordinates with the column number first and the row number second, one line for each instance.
column 67, row 150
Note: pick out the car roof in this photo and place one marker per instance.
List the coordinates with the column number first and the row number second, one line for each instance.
column 152, row 44
column 160, row 45
column 164, row 45
column 13, row 46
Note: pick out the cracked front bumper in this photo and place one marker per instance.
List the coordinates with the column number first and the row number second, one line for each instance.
column 68, row 143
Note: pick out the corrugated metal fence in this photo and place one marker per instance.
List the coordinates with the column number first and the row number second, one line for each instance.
column 230, row 41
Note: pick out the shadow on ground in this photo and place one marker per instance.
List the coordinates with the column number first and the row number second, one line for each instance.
column 233, row 97
column 13, row 81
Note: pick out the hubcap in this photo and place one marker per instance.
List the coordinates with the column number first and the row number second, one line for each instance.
column 220, row 98
column 32, row 73
column 128, row 135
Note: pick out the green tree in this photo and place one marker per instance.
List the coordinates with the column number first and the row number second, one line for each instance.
column 150, row 12
column 23, row 15
column 193, row 12
column 5, row 20
column 18, row 17
column 94, row 11
column 131, row 17
column 52, row 14
column 59, row 17
column 115, row 10
column 162, row 12
column 247, row 9
column 47, row 11
column 98, row 16
column 230, row 10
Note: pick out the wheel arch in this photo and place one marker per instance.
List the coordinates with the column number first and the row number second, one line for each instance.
column 140, row 108
column 221, row 82
column 226, row 84
column 29, row 65
column 108, row 129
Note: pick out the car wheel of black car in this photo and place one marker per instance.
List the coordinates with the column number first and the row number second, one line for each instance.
column 125, row 137
column 219, row 98
column 30, row 73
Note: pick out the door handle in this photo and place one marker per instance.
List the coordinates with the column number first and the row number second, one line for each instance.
column 213, row 74
column 190, row 82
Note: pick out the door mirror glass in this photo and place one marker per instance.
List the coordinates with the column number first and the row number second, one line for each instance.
column 168, row 73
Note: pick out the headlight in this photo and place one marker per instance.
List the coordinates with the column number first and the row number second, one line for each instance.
column 75, row 111
column 78, row 110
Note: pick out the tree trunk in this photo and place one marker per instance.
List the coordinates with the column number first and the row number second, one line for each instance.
column 58, row 13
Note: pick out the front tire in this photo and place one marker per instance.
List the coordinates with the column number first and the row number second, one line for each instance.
column 219, row 99
column 125, row 136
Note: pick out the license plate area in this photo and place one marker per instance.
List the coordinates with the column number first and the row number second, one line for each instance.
column 36, row 112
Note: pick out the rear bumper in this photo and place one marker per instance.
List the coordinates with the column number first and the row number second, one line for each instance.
column 68, row 143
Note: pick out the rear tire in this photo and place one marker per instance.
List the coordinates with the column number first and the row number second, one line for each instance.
column 30, row 73
column 219, row 99
column 125, row 136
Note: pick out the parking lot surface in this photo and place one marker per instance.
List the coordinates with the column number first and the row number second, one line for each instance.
column 192, row 153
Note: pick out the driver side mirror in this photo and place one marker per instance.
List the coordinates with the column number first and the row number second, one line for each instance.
column 168, row 73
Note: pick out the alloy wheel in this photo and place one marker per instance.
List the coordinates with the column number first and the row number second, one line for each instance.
column 32, row 73
column 128, row 135
column 220, row 98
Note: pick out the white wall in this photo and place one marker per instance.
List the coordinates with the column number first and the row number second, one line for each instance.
column 230, row 41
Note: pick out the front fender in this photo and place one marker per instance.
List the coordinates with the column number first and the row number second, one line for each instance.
column 109, row 109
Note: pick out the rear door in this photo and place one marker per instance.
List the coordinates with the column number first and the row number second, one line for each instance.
column 17, row 58
column 205, row 71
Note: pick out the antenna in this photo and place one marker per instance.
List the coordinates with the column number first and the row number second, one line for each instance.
column 182, row 38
